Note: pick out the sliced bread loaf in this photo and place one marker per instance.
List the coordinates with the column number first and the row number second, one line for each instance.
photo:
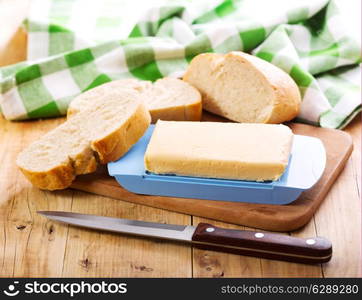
column 99, row 133
column 166, row 99
column 244, row 88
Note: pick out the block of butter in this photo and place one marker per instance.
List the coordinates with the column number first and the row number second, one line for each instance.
column 256, row 152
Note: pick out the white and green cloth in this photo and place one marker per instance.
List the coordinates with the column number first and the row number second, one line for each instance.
column 75, row 45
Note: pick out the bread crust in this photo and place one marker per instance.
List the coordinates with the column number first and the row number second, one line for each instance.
column 116, row 144
column 212, row 59
column 104, row 150
column 57, row 178
column 189, row 112
column 193, row 112
column 129, row 84
column 186, row 112
column 287, row 99
column 287, row 96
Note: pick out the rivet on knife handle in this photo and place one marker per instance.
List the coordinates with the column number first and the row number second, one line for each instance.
column 264, row 245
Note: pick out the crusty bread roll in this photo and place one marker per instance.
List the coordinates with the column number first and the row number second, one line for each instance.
column 166, row 99
column 244, row 88
column 100, row 133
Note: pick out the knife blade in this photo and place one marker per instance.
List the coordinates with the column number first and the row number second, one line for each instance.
column 209, row 237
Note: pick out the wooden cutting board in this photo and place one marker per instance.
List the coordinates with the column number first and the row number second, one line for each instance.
column 289, row 217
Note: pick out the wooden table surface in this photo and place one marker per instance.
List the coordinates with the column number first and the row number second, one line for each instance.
column 31, row 246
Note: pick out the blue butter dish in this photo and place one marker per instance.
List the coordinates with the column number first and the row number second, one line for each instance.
column 306, row 166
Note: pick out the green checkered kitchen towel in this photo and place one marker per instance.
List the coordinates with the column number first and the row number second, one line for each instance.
column 75, row 45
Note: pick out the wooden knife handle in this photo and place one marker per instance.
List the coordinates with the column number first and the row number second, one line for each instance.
column 262, row 244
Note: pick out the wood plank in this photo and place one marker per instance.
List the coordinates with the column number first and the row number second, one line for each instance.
column 100, row 254
column 339, row 217
column 269, row 217
column 29, row 245
column 32, row 246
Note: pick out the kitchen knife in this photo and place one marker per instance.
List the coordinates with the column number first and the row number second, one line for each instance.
column 210, row 237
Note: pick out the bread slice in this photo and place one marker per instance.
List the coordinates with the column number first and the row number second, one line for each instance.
column 172, row 99
column 166, row 99
column 87, row 98
column 99, row 133
column 244, row 88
